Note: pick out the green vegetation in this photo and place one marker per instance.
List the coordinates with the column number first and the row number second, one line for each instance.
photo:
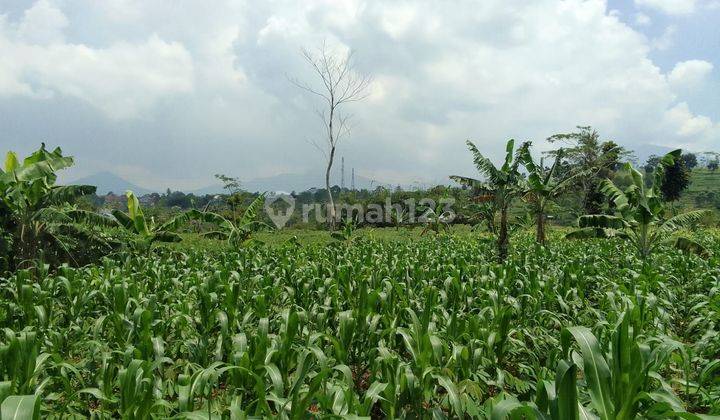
column 144, row 232
column 640, row 212
column 375, row 328
column 37, row 218
column 480, row 310
column 500, row 187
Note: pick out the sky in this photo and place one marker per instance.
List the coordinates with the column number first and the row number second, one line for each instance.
column 168, row 93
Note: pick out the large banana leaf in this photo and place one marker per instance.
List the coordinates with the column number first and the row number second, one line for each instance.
column 681, row 221
column 536, row 182
column 123, row 219
column 688, row 245
column 33, row 169
column 91, row 218
column 602, row 221
column 251, row 212
column 485, row 165
column 136, row 214
column 67, row 194
column 614, row 193
column 165, row 236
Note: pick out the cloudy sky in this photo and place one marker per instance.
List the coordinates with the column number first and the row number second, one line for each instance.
column 167, row 93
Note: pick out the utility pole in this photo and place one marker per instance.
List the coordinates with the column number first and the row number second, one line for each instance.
column 352, row 185
column 342, row 173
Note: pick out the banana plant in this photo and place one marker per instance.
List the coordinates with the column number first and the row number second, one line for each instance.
column 236, row 233
column 482, row 213
column 543, row 186
column 144, row 231
column 640, row 214
column 500, row 187
column 345, row 234
column 436, row 219
column 36, row 215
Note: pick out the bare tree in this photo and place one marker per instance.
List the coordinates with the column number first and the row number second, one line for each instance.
column 340, row 84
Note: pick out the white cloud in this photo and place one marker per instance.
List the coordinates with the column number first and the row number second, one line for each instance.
column 42, row 23
column 685, row 123
column 123, row 79
column 641, row 19
column 670, row 7
column 689, row 74
column 666, row 40
column 482, row 70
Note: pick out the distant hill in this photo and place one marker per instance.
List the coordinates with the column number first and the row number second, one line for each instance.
column 704, row 180
column 109, row 182
column 704, row 190
column 296, row 182
column 303, row 182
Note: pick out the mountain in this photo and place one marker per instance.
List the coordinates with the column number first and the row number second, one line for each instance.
column 303, row 182
column 296, row 182
column 109, row 182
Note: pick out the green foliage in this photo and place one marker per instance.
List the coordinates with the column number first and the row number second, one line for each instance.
column 675, row 180
column 387, row 329
column 544, row 185
column 436, row 219
column 20, row 407
column 500, row 187
column 640, row 214
column 345, row 234
column 236, row 233
column 37, row 217
column 585, row 152
column 144, row 232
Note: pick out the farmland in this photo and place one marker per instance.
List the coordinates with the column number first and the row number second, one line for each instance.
column 375, row 326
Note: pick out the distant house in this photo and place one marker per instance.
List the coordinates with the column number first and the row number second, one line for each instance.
column 149, row 199
column 115, row 201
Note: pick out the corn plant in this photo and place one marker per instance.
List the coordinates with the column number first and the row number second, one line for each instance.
column 374, row 328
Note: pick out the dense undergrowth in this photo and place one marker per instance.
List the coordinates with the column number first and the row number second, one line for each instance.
column 423, row 328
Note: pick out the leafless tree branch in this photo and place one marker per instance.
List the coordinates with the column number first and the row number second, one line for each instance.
column 340, row 84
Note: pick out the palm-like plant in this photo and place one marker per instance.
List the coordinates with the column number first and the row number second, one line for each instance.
column 640, row 214
column 543, row 186
column 38, row 215
column 235, row 232
column 145, row 231
column 436, row 219
column 500, row 187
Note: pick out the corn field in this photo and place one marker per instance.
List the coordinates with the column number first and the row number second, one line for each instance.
column 434, row 328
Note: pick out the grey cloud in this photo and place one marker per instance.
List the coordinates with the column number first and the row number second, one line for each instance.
column 485, row 71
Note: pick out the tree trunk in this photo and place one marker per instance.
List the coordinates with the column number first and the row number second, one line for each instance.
column 502, row 242
column 331, row 201
column 540, row 228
